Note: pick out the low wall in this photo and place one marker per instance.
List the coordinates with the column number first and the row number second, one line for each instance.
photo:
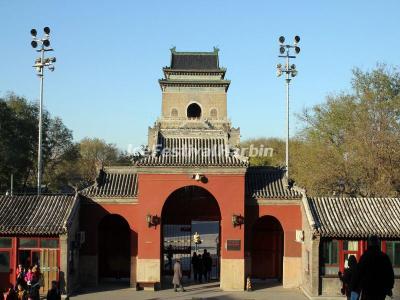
column 330, row 286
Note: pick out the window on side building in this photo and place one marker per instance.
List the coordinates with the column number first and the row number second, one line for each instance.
column 329, row 257
column 349, row 248
column 5, row 242
column 28, row 243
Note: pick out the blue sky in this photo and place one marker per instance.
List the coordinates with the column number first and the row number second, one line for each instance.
column 110, row 55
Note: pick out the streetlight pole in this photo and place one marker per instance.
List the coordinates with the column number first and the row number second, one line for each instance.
column 40, row 63
column 290, row 71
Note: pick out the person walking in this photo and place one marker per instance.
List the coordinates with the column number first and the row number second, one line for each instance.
column 177, row 279
column 195, row 265
column 351, row 292
column 374, row 274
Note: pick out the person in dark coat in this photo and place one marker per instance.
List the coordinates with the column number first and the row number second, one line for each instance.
column 347, row 279
column 53, row 293
column 374, row 274
column 200, row 267
column 207, row 264
column 195, row 265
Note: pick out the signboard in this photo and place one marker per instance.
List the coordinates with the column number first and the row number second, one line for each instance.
column 233, row 245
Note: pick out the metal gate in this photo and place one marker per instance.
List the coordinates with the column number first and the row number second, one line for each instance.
column 178, row 243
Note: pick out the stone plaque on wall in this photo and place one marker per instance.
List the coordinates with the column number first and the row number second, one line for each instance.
column 233, row 245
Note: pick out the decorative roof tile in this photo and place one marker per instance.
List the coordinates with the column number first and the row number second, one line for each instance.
column 194, row 60
column 268, row 182
column 114, row 182
column 356, row 217
column 36, row 215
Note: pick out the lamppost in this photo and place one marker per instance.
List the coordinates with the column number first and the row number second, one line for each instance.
column 40, row 64
column 290, row 71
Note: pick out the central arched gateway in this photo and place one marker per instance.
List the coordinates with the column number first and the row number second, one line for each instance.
column 267, row 249
column 186, row 211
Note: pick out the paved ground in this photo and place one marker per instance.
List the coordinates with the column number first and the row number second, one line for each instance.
column 193, row 292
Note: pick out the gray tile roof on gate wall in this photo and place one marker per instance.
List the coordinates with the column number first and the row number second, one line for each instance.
column 36, row 215
column 267, row 183
column 356, row 217
column 116, row 182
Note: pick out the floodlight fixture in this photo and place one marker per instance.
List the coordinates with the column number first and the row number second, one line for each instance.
column 290, row 71
column 40, row 64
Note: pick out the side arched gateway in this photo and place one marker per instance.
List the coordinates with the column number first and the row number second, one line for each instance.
column 114, row 249
column 267, row 249
column 186, row 211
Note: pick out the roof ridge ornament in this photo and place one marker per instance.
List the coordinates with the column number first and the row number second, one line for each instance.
column 173, row 49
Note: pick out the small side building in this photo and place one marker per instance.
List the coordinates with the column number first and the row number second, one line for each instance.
column 335, row 228
column 40, row 230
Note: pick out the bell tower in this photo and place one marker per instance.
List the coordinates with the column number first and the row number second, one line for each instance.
column 194, row 98
column 194, row 88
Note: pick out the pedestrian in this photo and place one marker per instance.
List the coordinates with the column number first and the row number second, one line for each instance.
column 351, row 292
column 208, row 266
column 20, row 276
column 200, row 267
column 205, row 265
column 177, row 279
column 195, row 264
column 22, row 294
column 32, row 280
column 53, row 293
column 374, row 274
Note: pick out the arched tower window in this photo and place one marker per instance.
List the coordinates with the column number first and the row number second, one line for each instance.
column 193, row 111
column 174, row 112
column 213, row 113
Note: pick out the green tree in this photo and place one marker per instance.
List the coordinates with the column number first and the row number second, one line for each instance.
column 94, row 154
column 19, row 143
column 352, row 141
